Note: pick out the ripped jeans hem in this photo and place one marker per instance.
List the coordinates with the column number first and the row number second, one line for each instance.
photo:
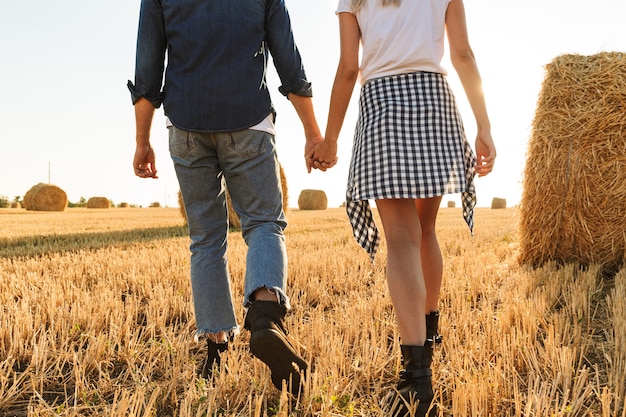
column 203, row 334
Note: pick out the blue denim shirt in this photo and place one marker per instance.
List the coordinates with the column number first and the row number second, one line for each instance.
column 217, row 55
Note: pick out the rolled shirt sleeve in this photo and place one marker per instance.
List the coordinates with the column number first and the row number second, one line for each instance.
column 284, row 51
column 150, row 55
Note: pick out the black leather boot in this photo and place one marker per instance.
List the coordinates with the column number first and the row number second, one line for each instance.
column 432, row 324
column 269, row 343
column 213, row 358
column 415, row 385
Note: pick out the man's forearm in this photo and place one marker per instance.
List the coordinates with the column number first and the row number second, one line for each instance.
column 144, row 113
column 304, row 108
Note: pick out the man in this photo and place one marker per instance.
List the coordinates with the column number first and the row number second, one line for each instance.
column 221, row 128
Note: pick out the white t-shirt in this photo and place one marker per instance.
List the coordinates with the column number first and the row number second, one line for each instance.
column 266, row 125
column 400, row 39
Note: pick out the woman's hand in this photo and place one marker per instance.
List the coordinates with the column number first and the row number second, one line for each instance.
column 323, row 155
column 485, row 153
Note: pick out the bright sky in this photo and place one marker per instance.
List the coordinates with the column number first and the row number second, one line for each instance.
column 67, row 118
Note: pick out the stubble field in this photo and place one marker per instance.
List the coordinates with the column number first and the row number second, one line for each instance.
column 96, row 320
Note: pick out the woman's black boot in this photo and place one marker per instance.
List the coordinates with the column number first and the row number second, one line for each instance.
column 432, row 324
column 415, row 389
column 213, row 357
column 269, row 343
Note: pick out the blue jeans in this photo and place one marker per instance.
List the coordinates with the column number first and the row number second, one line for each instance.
column 246, row 161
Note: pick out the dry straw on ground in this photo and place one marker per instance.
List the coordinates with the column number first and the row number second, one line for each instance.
column 233, row 217
column 575, row 178
column 498, row 203
column 45, row 197
column 102, row 324
column 98, row 203
column 312, row 200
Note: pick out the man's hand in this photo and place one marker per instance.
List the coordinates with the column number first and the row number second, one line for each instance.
column 322, row 155
column 144, row 162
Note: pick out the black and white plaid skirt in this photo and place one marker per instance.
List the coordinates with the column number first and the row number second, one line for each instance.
column 409, row 143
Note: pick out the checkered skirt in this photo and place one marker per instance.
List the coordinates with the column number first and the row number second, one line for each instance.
column 409, row 143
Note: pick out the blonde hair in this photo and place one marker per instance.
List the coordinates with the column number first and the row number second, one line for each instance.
column 356, row 4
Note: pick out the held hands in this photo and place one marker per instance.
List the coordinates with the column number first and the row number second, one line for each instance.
column 485, row 153
column 144, row 162
column 322, row 155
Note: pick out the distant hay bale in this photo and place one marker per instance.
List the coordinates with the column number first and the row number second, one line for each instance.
column 16, row 205
column 45, row 197
column 498, row 203
column 98, row 203
column 155, row 204
column 312, row 200
column 451, row 204
column 233, row 217
column 573, row 202
column 124, row 205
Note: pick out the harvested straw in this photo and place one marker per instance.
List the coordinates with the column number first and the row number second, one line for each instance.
column 124, row 205
column 574, row 194
column 312, row 200
column 16, row 205
column 98, row 203
column 498, row 203
column 45, row 197
column 451, row 204
column 233, row 217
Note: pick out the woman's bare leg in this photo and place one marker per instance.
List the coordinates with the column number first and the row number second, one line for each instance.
column 432, row 262
column 403, row 235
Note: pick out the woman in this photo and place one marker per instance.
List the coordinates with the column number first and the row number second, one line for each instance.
column 409, row 150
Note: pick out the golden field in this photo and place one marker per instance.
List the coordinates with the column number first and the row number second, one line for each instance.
column 96, row 320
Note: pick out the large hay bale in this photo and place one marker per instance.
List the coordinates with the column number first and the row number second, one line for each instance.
column 498, row 203
column 45, row 197
column 572, row 207
column 181, row 206
column 98, row 203
column 233, row 218
column 312, row 200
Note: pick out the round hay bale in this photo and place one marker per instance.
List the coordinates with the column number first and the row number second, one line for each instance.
column 30, row 194
column 498, row 203
column 124, row 205
column 98, row 203
column 572, row 207
column 233, row 218
column 312, row 200
column 16, row 205
column 451, row 204
column 155, row 204
column 45, row 197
